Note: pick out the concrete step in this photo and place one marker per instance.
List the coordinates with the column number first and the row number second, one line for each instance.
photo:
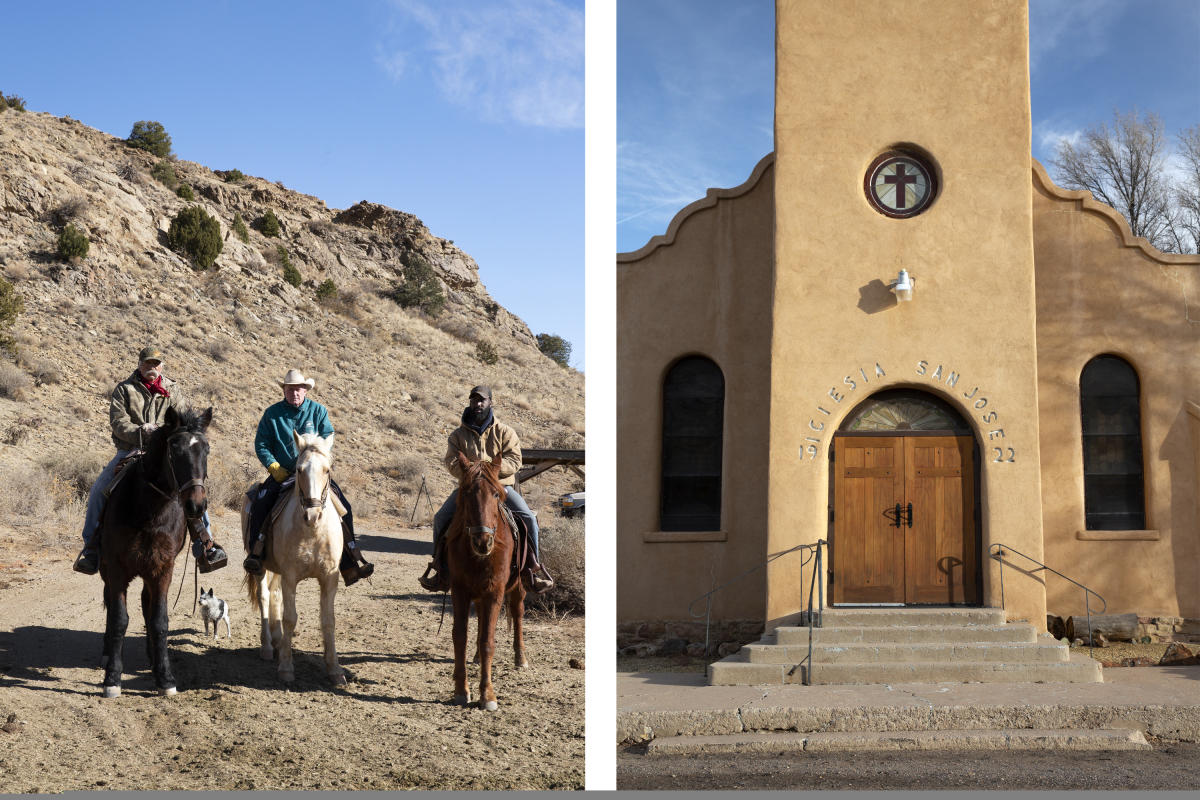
column 1002, row 739
column 918, row 615
column 1080, row 669
column 1047, row 651
column 739, row 670
column 1015, row 632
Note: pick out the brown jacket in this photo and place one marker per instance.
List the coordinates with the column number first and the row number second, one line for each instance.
column 498, row 438
column 133, row 405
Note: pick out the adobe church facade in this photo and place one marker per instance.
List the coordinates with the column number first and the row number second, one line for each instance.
column 1038, row 390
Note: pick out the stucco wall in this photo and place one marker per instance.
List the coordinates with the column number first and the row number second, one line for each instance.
column 1099, row 291
column 702, row 288
column 854, row 78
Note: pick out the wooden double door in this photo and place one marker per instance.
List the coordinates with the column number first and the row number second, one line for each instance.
column 904, row 527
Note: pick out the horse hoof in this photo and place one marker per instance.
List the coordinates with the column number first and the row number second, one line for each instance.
column 267, row 654
column 112, row 691
column 169, row 691
column 461, row 699
column 522, row 664
column 287, row 677
column 338, row 680
column 490, row 705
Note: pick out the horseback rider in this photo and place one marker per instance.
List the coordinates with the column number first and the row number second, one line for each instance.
column 276, row 449
column 481, row 436
column 138, row 406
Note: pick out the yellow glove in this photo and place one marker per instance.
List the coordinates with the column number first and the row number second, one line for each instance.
column 277, row 472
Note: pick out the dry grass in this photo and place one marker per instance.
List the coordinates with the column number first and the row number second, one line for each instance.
column 76, row 470
column 561, row 546
column 14, row 383
column 228, row 481
column 33, row 494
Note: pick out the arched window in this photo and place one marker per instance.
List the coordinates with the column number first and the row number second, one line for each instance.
column 1113, row 493
column 693, row 423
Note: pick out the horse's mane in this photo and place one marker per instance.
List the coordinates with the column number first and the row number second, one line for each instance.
column 191, row 422
column 476, row 471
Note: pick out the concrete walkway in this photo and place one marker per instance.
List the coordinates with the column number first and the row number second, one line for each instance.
column 1163, row 702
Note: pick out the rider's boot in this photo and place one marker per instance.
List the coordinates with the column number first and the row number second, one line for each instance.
column 254, row 555
column 537, row 577
column 353, row 566
column 439, row 581
column 88, row 560
column 209, row 555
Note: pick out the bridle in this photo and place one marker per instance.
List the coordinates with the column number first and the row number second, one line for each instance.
column 176, row 488
column 311, row 502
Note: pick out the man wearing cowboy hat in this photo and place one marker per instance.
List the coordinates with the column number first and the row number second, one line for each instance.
column 479, row 437
column 276, row 449
column 136, row 409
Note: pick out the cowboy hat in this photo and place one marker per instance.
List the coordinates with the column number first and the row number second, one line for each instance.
column 295, row 377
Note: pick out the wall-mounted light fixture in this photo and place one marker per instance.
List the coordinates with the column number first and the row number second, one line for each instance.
column 902, row 287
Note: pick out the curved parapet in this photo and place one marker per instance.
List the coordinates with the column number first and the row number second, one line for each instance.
column 1114, row 218
column 708, row 201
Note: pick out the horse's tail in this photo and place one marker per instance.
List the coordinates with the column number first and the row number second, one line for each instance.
column 252, row 583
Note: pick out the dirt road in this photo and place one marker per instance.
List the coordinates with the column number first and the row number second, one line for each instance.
column 233, row 725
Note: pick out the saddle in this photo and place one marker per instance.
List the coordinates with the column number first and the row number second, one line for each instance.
column 130, row 458
column 522, row 558
column 287, row 489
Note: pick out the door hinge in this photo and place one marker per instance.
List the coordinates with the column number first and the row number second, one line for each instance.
column 831, row 513
column 830, row 581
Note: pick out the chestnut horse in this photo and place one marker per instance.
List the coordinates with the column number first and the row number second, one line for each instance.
column 143, row 529
column 305, row 541
column 479, row 555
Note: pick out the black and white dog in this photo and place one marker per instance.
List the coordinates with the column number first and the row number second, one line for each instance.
column 214, row 609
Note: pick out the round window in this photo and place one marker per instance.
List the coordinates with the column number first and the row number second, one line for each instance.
column 900, row 184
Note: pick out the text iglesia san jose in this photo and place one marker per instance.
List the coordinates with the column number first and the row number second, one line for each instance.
column 817, row 428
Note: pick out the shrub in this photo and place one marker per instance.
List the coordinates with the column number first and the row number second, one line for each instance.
column 290, row 273
column 164, row 173
column 404, row 468
column 150, row 136
column 13, row 381
column 77, row 469
column 420, row 288
column 72, row 244
column 556, row 347
column 239, row 228
column 197, row 235
column 269, row 225
column 12, row 101
column 232, row 176
column 185, row 192
column 68, row 210
column 486, row 353
column 561, row 548
column 327, row 290
column 128, row 172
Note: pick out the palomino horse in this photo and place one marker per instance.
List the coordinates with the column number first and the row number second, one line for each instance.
column 305, row 542
column 479, row 555
column 144, row 528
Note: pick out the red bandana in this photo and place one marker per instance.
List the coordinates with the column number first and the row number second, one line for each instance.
column 156, row 387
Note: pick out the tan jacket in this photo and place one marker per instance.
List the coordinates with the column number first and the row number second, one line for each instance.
column 498, row 438
column 133, row 405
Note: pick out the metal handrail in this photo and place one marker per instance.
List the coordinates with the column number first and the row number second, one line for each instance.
column 815, row 554
column 1000, row 548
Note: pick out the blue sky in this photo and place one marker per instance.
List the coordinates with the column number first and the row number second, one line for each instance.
column 695, row 82
column 467, row 114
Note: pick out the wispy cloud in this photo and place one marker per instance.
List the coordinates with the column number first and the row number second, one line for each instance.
column 516, row 60
column 1049, row 136
column 1082, row 29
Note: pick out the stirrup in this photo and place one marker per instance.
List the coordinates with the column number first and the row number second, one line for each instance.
column 209, row 559
column 87, row 562
column 436, row 583
column 539, row 583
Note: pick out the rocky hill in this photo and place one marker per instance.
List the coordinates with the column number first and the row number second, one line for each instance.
column 394, row 379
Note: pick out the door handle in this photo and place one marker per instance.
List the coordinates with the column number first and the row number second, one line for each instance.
column 910, row 516
column 899, row 515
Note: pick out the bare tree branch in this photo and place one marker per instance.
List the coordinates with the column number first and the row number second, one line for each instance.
column 1187, row 191
column 1125, row 167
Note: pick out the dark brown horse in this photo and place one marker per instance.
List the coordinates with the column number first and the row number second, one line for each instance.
column 144, row 528
column 479, row 555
